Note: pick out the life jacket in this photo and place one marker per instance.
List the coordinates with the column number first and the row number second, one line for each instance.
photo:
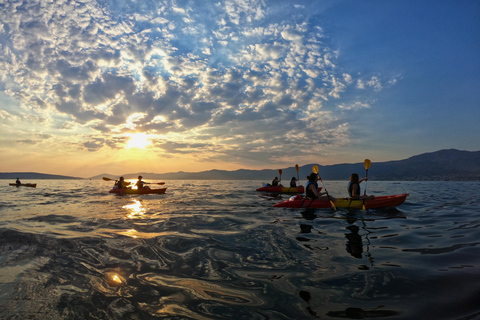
column 350, row 189
column 308, row 192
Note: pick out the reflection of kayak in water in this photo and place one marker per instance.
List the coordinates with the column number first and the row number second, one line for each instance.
column 32, row 185
column 299, row 189
column 377, row 202
column 136, row 191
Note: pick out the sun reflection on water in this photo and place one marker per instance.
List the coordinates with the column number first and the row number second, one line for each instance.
column 135, row 210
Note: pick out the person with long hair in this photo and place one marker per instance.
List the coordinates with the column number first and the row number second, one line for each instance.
column 354, row 190
column 311, row 189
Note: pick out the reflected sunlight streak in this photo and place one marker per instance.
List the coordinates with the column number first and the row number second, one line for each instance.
column 136, row 210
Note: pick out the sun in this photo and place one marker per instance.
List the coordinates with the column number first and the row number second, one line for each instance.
column 138, row 140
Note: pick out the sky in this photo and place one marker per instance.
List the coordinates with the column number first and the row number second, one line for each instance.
column 92, row 87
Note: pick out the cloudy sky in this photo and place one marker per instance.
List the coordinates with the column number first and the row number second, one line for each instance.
column 120, row 86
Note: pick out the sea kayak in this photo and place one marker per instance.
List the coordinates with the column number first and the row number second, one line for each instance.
column 378, row 202
column 136, row 191
column 299, row 189
column 31, row 185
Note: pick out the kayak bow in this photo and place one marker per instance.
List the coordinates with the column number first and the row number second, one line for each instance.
column 377, row 202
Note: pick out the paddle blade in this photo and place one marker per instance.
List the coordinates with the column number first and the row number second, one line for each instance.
column 333, row 205
column 296, row 167
column 280, row 172
column 107, row 179
column 315, row 169
column 367, row 163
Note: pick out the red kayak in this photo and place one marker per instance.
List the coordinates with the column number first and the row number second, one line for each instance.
column 136, row 191
column 299, row 189
column 378, row 202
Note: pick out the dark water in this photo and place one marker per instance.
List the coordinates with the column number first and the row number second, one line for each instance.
column 210, row 250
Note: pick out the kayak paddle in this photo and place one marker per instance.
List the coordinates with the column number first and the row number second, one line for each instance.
column 315, row 170
column 367, row 163
column 296, row 168
column 280, row 173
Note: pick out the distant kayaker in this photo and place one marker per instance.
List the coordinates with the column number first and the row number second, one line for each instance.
column 140, row 183
column 275, row 183
column 18, row 182
column 120, row 184
column 354, row 190
column 311, row 189
column 293, row 182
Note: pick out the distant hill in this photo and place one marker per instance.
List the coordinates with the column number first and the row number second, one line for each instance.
column 441, row 165
column 32, row 176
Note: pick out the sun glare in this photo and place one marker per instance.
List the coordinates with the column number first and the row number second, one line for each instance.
column 138, row 140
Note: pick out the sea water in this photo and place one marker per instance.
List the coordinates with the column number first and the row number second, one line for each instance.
column 219, row 250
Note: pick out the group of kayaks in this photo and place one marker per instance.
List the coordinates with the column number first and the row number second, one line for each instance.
column 300, row 201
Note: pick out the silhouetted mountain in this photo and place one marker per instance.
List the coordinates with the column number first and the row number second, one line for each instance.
column 449, row 164
column 32, row 176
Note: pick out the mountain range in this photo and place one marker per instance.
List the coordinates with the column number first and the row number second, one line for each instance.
column 441, row 165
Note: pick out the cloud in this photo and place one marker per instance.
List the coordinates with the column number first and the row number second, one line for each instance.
column 354, row 106
column 234, row 78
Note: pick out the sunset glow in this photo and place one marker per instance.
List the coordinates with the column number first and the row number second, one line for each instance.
column 91, row 86
column 138, row 140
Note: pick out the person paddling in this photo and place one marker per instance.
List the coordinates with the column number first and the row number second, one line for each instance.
column 140, row 184
column 120, row 184
column 18, row 182
column 311, row 189
column 354, row 190
column 275, row 183
column 293, row 182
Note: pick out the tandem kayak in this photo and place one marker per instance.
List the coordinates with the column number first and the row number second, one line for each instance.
column 136, row 191
column 378, row 202
column 299, row 189
column 31, row 185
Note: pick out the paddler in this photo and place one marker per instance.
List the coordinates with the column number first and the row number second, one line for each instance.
column 140, row 183
column 275, row 182
column 293, row 182
column 311, row 189
column 18, row 182
column 353, row 188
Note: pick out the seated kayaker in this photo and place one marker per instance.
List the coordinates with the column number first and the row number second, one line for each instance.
column 275, row 183
column 311, row 189
column 18, row 182
column 354, row 190
column 121, row 184
column 140, row 184
column 293, row 182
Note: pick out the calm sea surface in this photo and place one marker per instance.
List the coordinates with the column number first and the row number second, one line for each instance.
column 219, row 250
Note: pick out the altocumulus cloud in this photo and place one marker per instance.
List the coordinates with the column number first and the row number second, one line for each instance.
column 222, row 79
